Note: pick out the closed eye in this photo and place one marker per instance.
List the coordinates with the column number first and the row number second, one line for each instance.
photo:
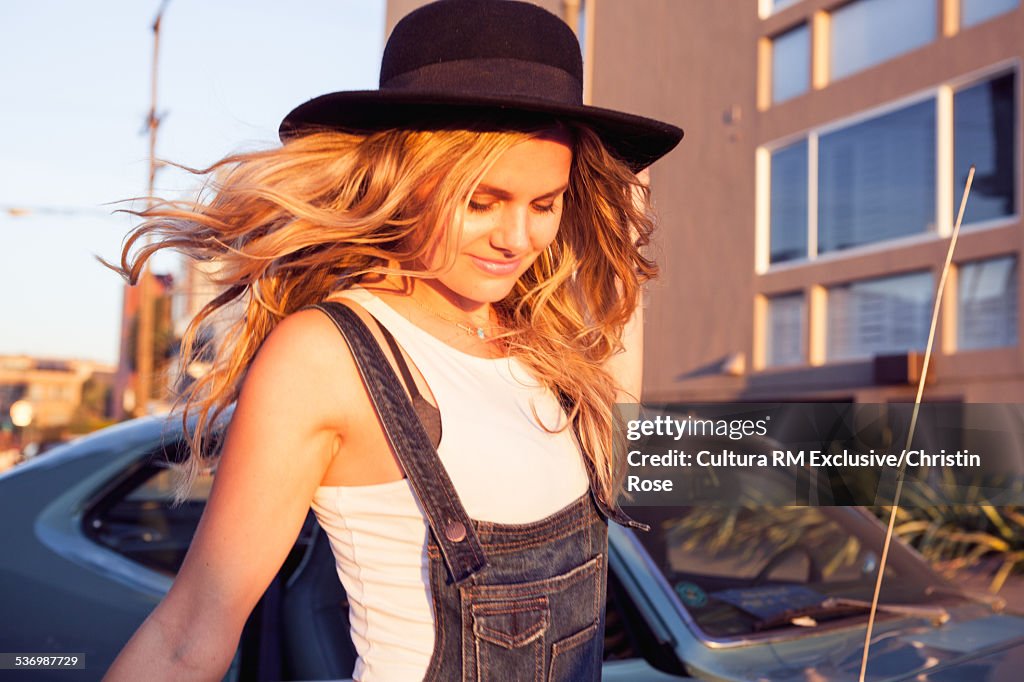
column 480, row 207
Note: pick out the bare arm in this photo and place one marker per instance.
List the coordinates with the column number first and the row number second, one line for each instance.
column 627, row 367
column 282, row 438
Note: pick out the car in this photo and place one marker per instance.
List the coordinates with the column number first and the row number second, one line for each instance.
column 92, row 543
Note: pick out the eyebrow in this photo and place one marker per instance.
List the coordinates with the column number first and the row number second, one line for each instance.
column 505, row 196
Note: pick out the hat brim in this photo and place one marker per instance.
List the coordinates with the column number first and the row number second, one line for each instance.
column 636, row 140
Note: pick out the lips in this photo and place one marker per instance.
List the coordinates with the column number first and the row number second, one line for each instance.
column 493, row 267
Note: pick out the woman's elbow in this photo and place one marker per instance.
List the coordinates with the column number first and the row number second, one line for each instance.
column 166, row 647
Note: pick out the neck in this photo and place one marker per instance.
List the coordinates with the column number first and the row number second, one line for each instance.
column 436, row 297
column 439, row 299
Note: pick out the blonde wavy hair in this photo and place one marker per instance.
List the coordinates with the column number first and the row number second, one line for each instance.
column 289, row 226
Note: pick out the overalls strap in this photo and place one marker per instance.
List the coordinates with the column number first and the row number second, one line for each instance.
column 450, row 524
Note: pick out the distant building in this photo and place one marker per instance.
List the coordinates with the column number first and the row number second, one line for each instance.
column 66, row 396
column 164, row 341
column 805, row 216
column 178, row 301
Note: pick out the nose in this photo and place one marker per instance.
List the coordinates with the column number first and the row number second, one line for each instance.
column 512, row 233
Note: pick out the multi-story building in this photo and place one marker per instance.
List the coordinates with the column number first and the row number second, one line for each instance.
column 806, row 216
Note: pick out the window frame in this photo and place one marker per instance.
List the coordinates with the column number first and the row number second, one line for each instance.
column 772, row 40
column 829, row 43
column 805, row 313
column 991, row 72
column 829, row 358
column 945, row 212
column 956, row 342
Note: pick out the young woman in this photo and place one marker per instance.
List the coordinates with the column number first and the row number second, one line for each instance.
column 477, row 229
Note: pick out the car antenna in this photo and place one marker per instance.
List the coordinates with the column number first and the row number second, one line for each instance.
column 913, row 423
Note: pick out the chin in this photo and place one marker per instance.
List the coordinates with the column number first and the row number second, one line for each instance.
column 494, row 292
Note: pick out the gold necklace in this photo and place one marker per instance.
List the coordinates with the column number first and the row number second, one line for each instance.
column 479, row 332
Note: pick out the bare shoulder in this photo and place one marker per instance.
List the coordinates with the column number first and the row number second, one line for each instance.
column 310, row 331
column 304, row 370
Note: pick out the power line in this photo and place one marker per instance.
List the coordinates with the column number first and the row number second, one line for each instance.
column 28, row 210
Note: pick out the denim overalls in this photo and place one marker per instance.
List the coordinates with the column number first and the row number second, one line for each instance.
column 510, row 602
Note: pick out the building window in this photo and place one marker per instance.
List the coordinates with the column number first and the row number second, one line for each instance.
column 879, row 316
column 987, row 311
column 868, row 32
column 786, row 330
column 766, row 8
column 789, row 203
column 984, row 121
column 791, row 63
column 976, row 11
column 876, row 179
column 848, row 185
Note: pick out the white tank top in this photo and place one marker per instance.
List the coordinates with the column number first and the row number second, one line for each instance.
column 505, row 468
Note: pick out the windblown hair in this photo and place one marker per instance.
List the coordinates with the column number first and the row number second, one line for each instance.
column 286, row 227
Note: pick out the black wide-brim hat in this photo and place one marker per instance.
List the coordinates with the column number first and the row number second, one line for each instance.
column 482, row 62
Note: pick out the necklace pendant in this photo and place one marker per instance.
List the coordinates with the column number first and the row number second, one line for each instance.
column 472, row 330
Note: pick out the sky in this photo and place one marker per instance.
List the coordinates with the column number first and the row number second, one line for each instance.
column 75, row 90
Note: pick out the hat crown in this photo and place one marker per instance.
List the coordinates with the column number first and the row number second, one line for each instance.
column 500, row 63
column 447, row 32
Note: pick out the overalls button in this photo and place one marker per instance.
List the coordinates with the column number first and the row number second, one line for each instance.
column 455, row 531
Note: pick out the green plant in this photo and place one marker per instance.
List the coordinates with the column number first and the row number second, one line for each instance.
column 958, row 535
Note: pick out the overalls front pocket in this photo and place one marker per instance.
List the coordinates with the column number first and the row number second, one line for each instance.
column 509, row 636
column 545, row 629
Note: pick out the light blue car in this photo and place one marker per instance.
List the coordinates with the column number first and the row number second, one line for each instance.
column 91, row 544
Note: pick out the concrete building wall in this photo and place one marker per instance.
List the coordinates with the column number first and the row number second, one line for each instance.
column 690, row 64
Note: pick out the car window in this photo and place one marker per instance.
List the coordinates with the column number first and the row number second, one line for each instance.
column 739, row 543
column 732, row 567
column 161, row 486
column 138, row 519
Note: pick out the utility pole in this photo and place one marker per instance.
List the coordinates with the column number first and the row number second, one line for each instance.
column 147, row 303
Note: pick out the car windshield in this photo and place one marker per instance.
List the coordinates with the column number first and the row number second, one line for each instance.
column 736, row 569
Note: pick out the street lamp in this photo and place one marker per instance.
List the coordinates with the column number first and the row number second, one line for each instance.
column 22, row 413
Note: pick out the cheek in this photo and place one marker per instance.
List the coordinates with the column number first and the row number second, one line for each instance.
column 443, row 243
column 475, row 227
column 546, row 232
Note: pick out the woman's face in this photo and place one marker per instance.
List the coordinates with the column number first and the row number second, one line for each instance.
column 513, row 215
